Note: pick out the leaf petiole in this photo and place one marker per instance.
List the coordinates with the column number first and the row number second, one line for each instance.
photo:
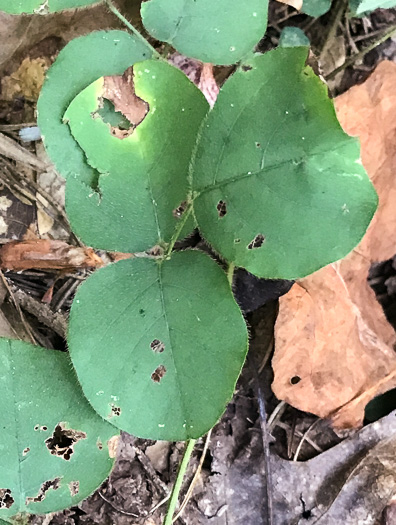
column 178, row 483
column 132, row 28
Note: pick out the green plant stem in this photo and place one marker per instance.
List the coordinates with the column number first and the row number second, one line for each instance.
column 138, row 35
column 178, row 483
column 180, row 226
column 230, row 272
column 362, row 53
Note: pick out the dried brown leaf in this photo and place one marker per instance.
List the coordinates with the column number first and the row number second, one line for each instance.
column 46, row 254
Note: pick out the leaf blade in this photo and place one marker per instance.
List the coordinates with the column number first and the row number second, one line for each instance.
column 207, row 29
column 294, row 193
column 43, row 393
column 168, row 374
column 144, row 175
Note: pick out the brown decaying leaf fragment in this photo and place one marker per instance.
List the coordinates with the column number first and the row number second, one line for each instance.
column 46, row 255
column 331, row 331
column 120, row 90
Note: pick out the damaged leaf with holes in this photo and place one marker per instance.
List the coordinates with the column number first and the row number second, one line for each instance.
column 143, row 167
column 292, row 196
column 55, row 448
column 216, row 31
column 81, row 62
column 159, row 355
column 42, row 7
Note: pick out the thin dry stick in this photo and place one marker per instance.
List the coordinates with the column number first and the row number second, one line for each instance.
column 195, row 478
column 304, row 437
column 265, row 440
column 275, row 415
column 117, row 509
column 337, row 11
column 19, row 310
column 357, row 56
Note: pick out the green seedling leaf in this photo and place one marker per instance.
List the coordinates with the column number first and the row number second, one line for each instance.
column 293, row 37
column 54, row 447
column 216, row 31
column 316, row 7
column 360, row 7
column 42, row 7
column 80, row 63
column 159, row 354
column 139, row 198
column 292, row 196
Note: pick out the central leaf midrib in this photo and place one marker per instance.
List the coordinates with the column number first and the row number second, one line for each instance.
column 161, row 288
column 263, row 171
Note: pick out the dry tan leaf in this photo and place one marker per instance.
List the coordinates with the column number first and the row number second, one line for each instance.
column 46, row 254
column 26, row 81
column 297, row 4
column 325, row 353
column 331, row 331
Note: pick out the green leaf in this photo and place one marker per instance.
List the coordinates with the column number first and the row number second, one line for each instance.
column 293, row 37
column 292, row 195
column 359, row 7
column 145, row 174
column 159, row 354
column 53, row 446
column 316, row 7
column 80, row 63
column 217, row 31
column 17, row 7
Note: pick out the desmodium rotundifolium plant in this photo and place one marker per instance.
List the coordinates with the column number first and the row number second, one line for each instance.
column 157, row 341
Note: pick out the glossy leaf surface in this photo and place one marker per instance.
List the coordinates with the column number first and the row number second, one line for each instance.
column 160, row 353
column 292, row 196
column 53, row 446
column 216, row 31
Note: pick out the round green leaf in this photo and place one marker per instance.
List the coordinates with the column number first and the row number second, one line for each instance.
column 53, row 446
column 145, row 175
column 217, row 31
column 42, row 7
column 80, row 63
column 316, row 7
column 159, row 354
column 293, row 37
column 279, row 187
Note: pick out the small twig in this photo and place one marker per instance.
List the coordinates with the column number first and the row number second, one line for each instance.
column 179, row 481
column 133, row 29
column 19, row 310
column 12, row 150
column 357, row 56
column 286, row 427
column 304, row 437
column 117, row 509
column 150, row 470
column 337, row 11
column 43, row 313
column 275, row 415
column 265, row 440
column 195, row 478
